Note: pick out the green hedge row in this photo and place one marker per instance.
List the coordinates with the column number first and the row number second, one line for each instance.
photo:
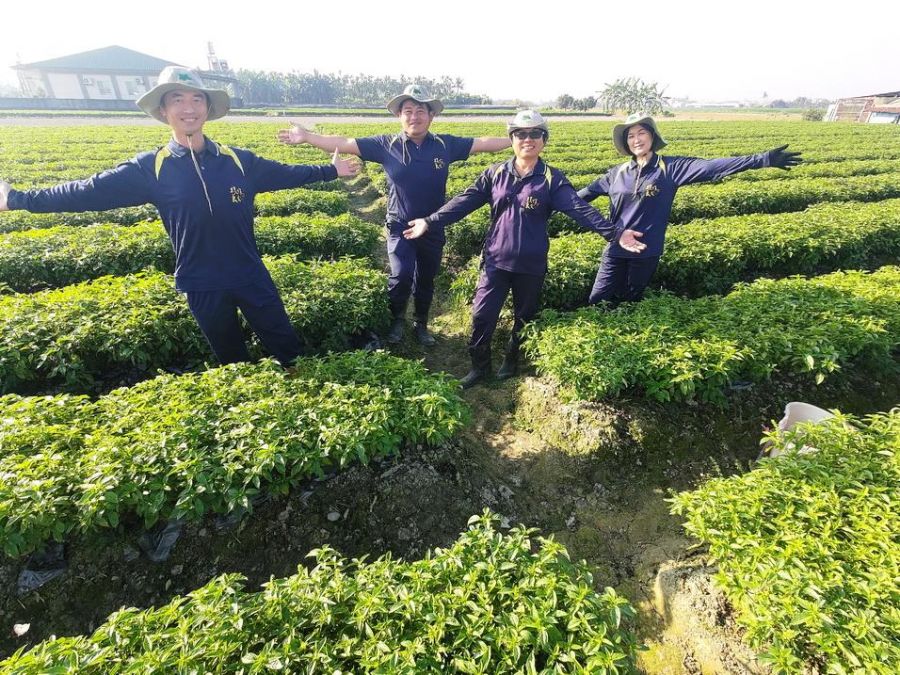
column 667, row 347
column 734, row 198
column 709, row 256
column 59, row 256
column 489, row 603
column 808, row 547
column 182, row 446
column 282, row 203
column 74, row 334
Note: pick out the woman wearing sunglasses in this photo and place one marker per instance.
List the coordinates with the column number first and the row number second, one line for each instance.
column 641, row 192
column 522, row 192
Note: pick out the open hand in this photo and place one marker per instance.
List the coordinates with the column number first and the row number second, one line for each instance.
column 629, row 241
column 780, row 159
column 296, row 135
column 345, row 167
column 4, row 193
column 416, row 229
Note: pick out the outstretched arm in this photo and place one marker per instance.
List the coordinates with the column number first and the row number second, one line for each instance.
column 598, row 188
column 126, row 185
column 687, row 170
column 473, row 197
column 269, row 176
column 298, row 135
column 490, row 144
column 567, row 201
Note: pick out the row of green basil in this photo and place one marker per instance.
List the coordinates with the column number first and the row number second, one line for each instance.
column 70, row 336
column 808, row 546
column 489, row 603
column 667, row 347
column 182, row 446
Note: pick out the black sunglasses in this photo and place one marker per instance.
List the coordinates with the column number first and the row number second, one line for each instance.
column 534, row 134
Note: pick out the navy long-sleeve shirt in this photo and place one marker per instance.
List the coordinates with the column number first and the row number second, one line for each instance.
column 520, row 208
column 209, row 221
column 641, row 199
column 416, row 174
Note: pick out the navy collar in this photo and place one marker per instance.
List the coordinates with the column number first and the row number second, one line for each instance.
column 178, row 150
column 651, row 164
column 510, row 166
column 406, row 139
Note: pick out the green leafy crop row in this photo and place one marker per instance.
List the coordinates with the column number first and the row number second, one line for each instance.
column 808, row 547
column 735, row 198
column 182, row 446
column 670, row 348
column 77, row 333
column 59, row 256
column 489, row 603
column 708, row 256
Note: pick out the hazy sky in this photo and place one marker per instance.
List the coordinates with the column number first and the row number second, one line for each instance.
column 704, row 49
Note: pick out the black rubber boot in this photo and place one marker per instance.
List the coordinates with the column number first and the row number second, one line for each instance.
column 398, row 325
column 510, row 366
column 481, row 366
column 395, row 334
column 426, row 339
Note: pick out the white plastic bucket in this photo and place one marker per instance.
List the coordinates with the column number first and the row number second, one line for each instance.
column 794, row 413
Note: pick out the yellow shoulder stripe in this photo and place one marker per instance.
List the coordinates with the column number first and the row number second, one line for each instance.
column 160, row 158
column 225, row 150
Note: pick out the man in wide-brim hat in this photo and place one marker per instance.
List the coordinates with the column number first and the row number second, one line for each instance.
column 417, row 164
column 204, row 192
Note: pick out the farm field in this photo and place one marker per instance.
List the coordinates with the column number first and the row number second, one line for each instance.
column 631, row 439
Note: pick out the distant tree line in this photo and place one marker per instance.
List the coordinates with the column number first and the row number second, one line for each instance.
column 801, row 102
column 567, row 102
column 627, row 94
column 260, row 87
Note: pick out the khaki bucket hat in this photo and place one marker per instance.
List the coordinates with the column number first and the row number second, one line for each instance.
column 417, row 93
column 178, row 77
column 620, row 133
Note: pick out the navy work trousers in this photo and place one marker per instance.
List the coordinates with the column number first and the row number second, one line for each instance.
column 216, row 313
column 493, row 287
column 414, row 265
column 622, row 279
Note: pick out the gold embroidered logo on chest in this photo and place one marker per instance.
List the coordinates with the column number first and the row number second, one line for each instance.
column 531, row 203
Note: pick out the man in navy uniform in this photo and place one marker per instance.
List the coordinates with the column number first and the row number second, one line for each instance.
column 204, row 192
column 416, row 162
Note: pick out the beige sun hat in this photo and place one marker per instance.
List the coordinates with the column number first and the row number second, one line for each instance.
column 178, row 77
column 620, row 132
column 417, row 93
